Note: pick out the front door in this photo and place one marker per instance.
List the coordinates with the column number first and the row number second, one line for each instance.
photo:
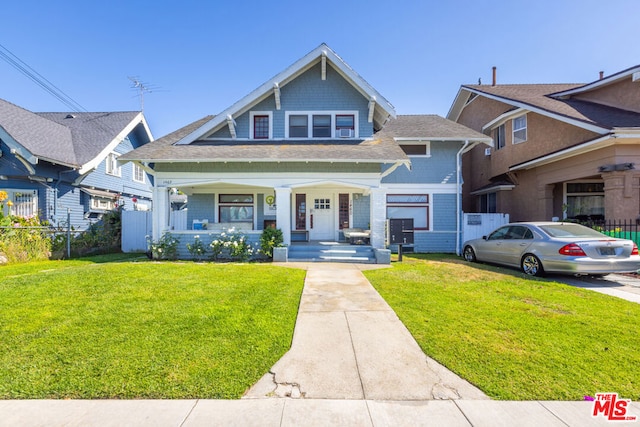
column 321, row 217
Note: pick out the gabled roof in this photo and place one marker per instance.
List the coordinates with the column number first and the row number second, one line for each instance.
column 545, row 99
column 383, row 108
column 634, row 72
column 376, row 150
column 76, row 140
column 431, row 127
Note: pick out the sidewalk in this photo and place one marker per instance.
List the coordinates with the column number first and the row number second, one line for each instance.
column 351, row 363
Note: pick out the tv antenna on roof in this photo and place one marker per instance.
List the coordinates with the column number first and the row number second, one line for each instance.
column 142, row 88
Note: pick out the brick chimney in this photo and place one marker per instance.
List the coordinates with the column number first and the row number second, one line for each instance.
column 493, row 80
column 601, row 75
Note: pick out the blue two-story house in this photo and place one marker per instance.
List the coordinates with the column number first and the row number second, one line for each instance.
column 315, row 150
column 65, row 165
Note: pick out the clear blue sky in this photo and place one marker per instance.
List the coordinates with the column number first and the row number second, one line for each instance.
column 205, row 55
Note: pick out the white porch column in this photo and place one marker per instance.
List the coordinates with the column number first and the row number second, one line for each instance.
column 378, row 217
column 283, row 212
column 160, row 216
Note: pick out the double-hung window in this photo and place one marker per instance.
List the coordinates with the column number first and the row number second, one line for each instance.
column 321, row 126
column 298, row 126
column 414, row 206
column 235, row 207
column 519, row 129
column 304, row 124
column 112, row 167
column 138, row 173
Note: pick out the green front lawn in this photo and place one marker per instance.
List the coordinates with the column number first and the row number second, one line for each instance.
column 137, row 329
column 513, row 336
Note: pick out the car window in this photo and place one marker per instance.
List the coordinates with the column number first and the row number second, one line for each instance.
column 528, row 234
column 569, row 230
column 519, row 232
column 499, row 234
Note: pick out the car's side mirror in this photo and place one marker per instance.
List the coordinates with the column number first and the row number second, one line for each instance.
column 484, row 237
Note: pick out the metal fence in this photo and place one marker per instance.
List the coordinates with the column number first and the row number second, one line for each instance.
column 623, row 229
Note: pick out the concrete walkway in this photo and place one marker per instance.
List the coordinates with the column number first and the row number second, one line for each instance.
column 352, row 363
column 349, row 344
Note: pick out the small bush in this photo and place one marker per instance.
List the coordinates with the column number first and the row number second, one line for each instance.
column 270, row 238
column 197, row 249
column 165, row 248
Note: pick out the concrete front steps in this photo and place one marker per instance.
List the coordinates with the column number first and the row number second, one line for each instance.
column 331, row 252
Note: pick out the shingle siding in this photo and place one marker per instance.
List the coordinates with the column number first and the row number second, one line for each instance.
column 361, row 211
column 437, row 169
column 201, row 206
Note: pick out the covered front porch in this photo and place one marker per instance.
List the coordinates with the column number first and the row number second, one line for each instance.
column 310, row 211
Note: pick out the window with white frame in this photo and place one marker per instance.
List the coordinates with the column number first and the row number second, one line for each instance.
column 112, row 164
column 322, row 124
column 22, row 203
column 519, row 129
column 414, row 206
column 260, row 125
column 499, row 136
column 100, row 203
column 138, row 173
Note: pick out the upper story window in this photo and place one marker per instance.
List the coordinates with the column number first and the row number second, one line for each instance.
column 298, row 126
column 112, row 165
column 422, row 149
column 345, row 125
column 519, row 129
column 500, row 136
column 260, row 125
column 322, row 124
column 138, row 173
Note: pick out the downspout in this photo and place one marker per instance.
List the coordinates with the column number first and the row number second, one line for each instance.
column 459, row 193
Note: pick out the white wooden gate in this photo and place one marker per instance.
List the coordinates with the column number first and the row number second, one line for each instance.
column 178, row 220
column 136, row 226
column 476, row 225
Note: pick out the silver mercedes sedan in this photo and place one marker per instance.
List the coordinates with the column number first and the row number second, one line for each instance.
column 554, row 247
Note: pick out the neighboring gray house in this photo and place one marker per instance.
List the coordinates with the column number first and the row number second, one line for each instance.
column 317, row 150
column 55, row 163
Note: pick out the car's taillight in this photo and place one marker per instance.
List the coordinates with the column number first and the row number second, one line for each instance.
column 571, row 249
column 634, row 251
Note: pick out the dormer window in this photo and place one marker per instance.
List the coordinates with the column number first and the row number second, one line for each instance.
column 260, row 125
column 321, row 124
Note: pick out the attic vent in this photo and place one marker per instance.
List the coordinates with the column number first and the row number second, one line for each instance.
column 70, row 116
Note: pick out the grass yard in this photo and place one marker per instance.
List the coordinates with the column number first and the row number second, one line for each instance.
column 516, row 337
column 95, row 328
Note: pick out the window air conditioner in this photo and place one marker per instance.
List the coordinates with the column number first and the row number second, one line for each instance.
column 487, row 151
column 345, row 133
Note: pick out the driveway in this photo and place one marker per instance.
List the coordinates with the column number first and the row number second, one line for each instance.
column 617, row 285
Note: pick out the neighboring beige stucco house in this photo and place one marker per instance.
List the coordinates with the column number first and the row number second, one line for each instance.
column 560, row 150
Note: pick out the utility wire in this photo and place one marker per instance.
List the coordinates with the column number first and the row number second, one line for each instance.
column 39, row 79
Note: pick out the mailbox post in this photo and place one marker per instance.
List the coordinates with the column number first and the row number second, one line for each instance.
column 400, row 233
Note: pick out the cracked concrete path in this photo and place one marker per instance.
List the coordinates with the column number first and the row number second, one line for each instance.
column 349, row 344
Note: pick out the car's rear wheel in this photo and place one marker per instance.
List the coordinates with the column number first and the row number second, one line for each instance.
column 469, row 254
column 531, row 265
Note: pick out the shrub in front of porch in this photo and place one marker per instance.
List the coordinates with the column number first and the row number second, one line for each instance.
column 269, row 239
column 231, row 245
column 165, row 248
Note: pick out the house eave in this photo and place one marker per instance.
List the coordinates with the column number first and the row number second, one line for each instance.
column 592, row 145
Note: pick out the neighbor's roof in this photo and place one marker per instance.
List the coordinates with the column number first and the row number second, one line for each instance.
column 71, row 139
column 430, row 127
column 165, row 149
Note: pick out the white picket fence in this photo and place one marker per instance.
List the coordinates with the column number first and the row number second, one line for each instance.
column 476, row 225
